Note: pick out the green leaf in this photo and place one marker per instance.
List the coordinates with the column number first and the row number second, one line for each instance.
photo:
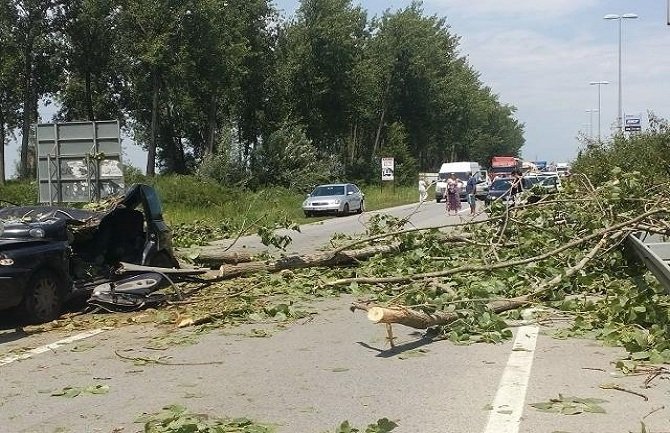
column 384, row 425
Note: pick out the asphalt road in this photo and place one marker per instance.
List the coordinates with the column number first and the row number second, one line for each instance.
column 311, row 375
column 315, row 236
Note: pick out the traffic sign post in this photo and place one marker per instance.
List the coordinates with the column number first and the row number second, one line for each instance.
column 632, row 123
column 388, row 166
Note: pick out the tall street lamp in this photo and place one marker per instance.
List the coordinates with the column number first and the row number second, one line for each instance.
column 599, row 84
column 620, row 18
column 591, row 111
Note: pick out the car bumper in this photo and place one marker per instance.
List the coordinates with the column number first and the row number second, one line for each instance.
column 322, row 208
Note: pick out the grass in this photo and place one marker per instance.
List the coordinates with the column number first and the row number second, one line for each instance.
column 187, row 199
column 197, row 203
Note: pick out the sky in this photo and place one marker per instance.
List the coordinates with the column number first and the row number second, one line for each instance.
column 540, row 56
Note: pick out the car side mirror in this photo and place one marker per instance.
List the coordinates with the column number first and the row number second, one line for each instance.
column 308, row 195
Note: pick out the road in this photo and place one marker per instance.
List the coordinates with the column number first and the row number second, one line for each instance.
column 315, row 236
column 311, row 375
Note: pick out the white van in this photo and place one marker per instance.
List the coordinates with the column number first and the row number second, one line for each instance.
column 462, row 170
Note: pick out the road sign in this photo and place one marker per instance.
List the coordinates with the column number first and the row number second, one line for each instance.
column 632, row 123
column 388, row 165
column 78, row 161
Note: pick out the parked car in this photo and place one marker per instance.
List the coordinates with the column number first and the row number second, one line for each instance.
column 48, row 253
column 340, row 199
column 548, row 182
column 500, row 187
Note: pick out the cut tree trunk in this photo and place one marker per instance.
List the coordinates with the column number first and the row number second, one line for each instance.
column 297, row 262
column 422, row 320
column 214, row 257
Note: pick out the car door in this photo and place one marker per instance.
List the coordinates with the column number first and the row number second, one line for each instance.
column 354, row 196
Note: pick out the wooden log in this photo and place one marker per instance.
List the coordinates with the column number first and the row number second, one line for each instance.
column 422, row 320
column 327, row 258
column 214, row 257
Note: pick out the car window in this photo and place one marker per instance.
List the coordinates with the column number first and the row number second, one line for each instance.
column 327, row 190
column 354, row 188
column 501, row 184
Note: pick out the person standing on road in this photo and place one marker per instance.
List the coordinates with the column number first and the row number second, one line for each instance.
column 423, row 190
column 451, row 195
column 471, row 191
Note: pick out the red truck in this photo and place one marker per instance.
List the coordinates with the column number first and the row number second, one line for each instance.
column 503, row 166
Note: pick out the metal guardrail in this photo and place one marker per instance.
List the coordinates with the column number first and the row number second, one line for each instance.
column 654, row 253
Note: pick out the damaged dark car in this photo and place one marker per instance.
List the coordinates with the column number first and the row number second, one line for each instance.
column 49, row 253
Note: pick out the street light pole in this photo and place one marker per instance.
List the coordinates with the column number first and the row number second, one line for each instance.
column 599, row 84
column 591, row 111
column 620, row 18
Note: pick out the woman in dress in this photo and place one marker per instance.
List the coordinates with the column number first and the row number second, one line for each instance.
column 453, row 201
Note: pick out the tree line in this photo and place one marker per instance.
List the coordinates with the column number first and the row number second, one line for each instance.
column 232, row 89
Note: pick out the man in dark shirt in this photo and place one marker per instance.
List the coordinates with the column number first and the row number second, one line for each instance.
column 470, row 192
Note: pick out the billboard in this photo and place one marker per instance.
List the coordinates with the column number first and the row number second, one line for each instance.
column 388, row 165
column 78, row 161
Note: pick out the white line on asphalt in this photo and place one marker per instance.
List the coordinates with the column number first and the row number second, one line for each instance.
column 48, row 347
column 508, row 403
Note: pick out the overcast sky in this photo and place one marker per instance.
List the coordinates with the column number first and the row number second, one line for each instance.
column 540, row 55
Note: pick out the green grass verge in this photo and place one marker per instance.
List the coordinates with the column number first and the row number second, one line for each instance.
column 192, row 202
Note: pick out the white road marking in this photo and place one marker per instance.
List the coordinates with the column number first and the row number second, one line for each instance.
column 49, row 347
column 505, row 416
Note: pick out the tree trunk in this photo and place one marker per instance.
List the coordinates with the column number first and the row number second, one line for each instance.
column 3, row 137
column 375, row 147
column 421, row 320
column 89, row 97
column 213, row 257
column 297, row 262
column 211, row 127
column 151, row 155
column 26, row 119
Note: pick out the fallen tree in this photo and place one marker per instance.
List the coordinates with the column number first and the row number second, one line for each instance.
column 423, row 320
column 338, row 257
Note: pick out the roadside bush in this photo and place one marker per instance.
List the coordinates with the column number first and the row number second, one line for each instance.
column 224, row 170
column 19, row 192
column 289, row 159
column 647, row 152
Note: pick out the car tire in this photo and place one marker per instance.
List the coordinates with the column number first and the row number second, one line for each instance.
column 345, row 210
column 361, row 208
column 308, row 214
column 437, row 199
column 43, row 298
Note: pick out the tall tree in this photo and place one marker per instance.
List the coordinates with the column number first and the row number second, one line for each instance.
column 91, row 83
column 34, row 38
column 10, row 68
column 148, row 32
column 322, row 47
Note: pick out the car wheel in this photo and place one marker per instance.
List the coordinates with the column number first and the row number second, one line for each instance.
column 361, row 208
column 437, row 199
column 308, row 214
column 42, row 301
column 345, row 209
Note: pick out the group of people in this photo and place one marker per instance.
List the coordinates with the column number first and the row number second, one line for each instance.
column 452, row 193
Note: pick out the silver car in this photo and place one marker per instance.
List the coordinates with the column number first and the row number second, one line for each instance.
column 338, row 198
